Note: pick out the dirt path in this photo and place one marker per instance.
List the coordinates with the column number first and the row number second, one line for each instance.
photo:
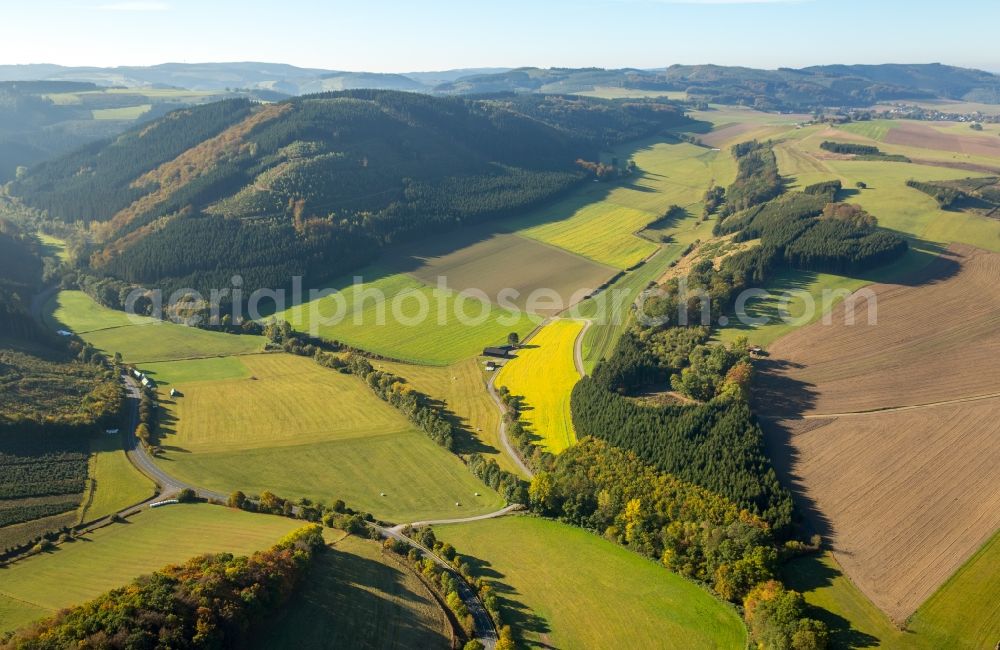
column 958, row 400
column 462, row 520
column 578, row 347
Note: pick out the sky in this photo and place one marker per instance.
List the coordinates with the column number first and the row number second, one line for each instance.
column 412, row 35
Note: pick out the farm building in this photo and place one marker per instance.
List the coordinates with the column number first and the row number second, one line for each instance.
column 502, row 352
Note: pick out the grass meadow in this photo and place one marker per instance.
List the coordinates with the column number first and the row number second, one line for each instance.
column 112, row 556
column 544, row 375
column 564, row 587
column 359, row 596
column 398, row 327
column 601, row 222
column 115, row 484
column 147, row 341
column 461, row 388
column 300, row 430
column 963, row 614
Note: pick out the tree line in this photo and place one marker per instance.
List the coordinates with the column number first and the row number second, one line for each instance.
column 211, row 601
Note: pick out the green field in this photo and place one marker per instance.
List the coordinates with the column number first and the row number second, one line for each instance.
column 123, row 113
column 79, row 313
column 283, row 400
column 300, row 430
column 53, row 246
column 544, row 375
column 144, row 341
column 175, row 373
column 874, row 129
column 358, row 596
column 601, row 221
column 963, row 614
column 564, row 587
column 114, row 482
column 462, row 390
column 399, row 317
column 112, row 556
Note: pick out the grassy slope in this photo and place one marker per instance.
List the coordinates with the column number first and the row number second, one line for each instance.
column 356, row 596
column 80, row 313
column 393, row 327
column 963, row 613
column 285, row 400
column 461, row 388
column 601, row 221
column 112, row 556
column 544, row 374
column 420, row 479
column 896, row 206
column 175, row 373
column 298, row 429
column 113, row 331
column 116, row 483
column 567, row 588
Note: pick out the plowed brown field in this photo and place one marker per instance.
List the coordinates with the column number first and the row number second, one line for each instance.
column 920, row 135
column 890, row 433
column 903, row 498
column 936, row 339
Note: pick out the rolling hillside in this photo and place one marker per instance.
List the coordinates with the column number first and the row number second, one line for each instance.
column 316, row 185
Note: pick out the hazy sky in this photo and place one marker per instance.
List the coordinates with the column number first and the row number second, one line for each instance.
column 410, row 35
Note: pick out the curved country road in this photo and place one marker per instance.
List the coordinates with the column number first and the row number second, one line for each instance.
column 169, row 486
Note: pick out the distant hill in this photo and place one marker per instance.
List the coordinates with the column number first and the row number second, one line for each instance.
column 315, row 185
column 783, row 89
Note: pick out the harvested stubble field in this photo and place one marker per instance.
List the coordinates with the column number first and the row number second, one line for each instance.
column 933, row 340
column 903, row 497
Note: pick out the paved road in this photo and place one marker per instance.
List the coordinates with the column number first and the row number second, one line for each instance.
column 169, row 486
column 486, row 632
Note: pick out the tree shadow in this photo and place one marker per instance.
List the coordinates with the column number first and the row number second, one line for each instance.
column 810, row 573
column 518, row 615
column 350, row 600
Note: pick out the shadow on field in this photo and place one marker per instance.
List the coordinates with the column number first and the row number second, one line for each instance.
column 809, row 573
column 514, row 613
column 465, row 440
column 349, row 600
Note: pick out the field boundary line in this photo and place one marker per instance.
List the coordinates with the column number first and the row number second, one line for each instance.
column 28, row 602
column 895, row 409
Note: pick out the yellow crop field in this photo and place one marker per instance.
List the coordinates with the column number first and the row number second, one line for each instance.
column 544, row 374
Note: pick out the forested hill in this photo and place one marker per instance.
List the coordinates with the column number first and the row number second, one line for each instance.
column 782, row 89
column 315, row 185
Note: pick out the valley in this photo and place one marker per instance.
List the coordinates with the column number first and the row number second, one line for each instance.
column 579, row 476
